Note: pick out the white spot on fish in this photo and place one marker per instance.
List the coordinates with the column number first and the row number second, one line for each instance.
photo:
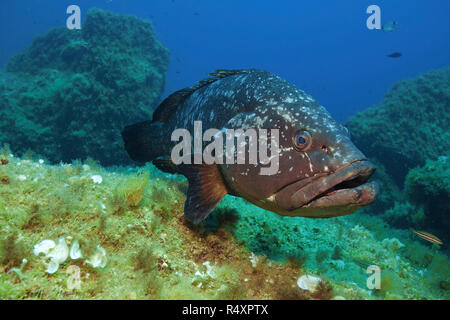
column 310, row 162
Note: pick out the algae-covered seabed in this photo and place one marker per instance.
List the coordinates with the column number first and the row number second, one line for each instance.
column 239, row 252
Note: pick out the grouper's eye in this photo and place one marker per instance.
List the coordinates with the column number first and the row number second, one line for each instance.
column 301, row 140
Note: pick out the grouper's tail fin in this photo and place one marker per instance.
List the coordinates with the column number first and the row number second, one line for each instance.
column 143, row 140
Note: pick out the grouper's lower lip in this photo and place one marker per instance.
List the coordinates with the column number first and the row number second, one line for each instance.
column 361, row 196
column 347, row 186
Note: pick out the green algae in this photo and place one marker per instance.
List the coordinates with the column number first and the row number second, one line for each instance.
column 129, row 193
column 65, row 201
column 430, row 183
column 428, row 188
column 69, row 94
column 360, row 241
column 239, row 252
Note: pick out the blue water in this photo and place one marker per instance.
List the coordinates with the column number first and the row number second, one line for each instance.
column 324, row 47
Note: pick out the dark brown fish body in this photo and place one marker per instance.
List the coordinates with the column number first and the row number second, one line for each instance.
column 326, row 177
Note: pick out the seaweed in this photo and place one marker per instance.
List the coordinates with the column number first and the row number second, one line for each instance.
column 12, row 251
column 130, row 192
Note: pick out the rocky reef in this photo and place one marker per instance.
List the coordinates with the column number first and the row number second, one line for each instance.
column 428, row 188
column 409, row 126
column 70, row 93
column 80, row 231
column 407, row 135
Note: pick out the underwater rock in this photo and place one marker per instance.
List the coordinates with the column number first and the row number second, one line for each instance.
column 337, row 253
column 444, row 285
column 428, row 187
column 402, row 214
column 338, row 264
column 70, row 93
column 392, row 243
column 408, row 127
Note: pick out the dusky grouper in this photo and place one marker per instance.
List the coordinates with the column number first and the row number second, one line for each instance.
column 320, row 172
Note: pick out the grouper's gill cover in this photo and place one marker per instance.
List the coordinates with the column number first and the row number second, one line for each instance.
column 320, row 171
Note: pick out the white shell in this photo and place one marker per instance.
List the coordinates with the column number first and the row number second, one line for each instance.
column 75, row 252
column 59, row 253
column 209, row 269
column 98, row 259
column 198, row 274
column 52, row 267
column 43, row 247
column 97, row 179
column 309, row 283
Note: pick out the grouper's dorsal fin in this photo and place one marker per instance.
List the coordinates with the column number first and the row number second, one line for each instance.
column 170, row 104
column 167, row 108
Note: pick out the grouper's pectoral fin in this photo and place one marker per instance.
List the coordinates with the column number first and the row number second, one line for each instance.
column 206, row 190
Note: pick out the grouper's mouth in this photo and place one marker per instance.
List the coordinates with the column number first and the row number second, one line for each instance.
column 345, row 188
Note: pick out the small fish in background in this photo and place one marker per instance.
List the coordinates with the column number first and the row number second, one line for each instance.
column 427, row 236
column 395, row 55
column 390, row 26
